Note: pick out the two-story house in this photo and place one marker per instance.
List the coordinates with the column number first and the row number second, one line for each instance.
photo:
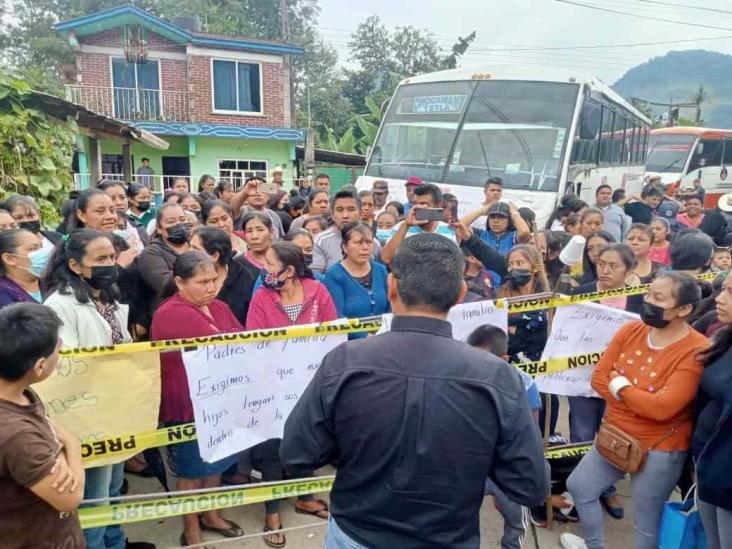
column 223, row 103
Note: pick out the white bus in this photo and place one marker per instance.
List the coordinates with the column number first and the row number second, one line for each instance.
column 544, row 132
column 680, row 155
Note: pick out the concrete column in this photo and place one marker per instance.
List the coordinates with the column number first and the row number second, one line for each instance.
column 95, row 161
column 126, row 163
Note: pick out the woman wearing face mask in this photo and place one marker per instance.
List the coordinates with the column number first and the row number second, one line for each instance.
column 217, row 213
column 648, row 377
column 289, row 296
column 639, row 239
column 236, row 277
column 140, row 203
column 257, row 229
column 615, row 262
column 81, row 281
column 357, row 284
column 22, row 263
column 191, row 309
column 595, row 242
column 155, row 264
column 660, row 247
column 26, row 213
column 385, row 222
column 711, row 444
column 129, row 229
column 527, row 332
column 318, row 204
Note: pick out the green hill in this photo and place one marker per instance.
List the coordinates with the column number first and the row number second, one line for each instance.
column 677, row 75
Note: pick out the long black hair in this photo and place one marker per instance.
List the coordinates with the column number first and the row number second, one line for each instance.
column 216, row 240
column 211, row 204
column 290, row 254
column 81, row 203
column 589, row 269
column 59, row 277
column 186, row 266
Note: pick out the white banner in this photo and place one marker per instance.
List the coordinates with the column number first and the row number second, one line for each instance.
column 579, row 329
column 465, row 318
column 243, row 393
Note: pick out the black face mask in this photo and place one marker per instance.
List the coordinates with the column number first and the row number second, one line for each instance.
column 179, row 233
column 32, row 226
column 102, row 276
column 652, row 315
column 518, row 277
column 308, row 259
column 143, row 206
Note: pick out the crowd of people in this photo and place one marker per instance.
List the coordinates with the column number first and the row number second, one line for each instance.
column 119, row 268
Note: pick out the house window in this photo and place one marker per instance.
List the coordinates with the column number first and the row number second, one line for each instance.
column 237, row 171
column 136, row 90
column 236, row 87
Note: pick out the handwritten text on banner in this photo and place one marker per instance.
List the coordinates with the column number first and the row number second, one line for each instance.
column 579, row 329
column 243, row 393
column 96, row 397
column 466, row 317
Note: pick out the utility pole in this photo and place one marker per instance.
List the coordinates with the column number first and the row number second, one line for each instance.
column 285, row 37
column 673, row 108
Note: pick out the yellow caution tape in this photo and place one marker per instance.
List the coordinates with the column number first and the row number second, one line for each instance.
column 137, row 442
column 138, row 511
column 155, row 509
column 341, row 326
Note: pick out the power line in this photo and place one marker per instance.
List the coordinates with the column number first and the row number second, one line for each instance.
column 686, row 6
column 646, row 17
column 631, row 45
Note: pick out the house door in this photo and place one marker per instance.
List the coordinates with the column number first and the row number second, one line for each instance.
column 174, row 166
column 136, row 89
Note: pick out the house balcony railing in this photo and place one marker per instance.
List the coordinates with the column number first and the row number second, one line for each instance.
column 133, row 103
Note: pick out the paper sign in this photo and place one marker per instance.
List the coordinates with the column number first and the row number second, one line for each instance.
column 243, row 393
column 579, row 329
column 97, row 397
column 465, row 318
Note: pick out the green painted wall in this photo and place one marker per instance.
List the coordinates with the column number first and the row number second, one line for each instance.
column 338, row 176
column 209, row 150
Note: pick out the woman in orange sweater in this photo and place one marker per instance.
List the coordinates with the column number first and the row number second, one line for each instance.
column 648, row 377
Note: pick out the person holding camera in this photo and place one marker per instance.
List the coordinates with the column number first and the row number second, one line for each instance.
column 425, row 216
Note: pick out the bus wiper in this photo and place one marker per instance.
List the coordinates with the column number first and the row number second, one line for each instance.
column 670, row 165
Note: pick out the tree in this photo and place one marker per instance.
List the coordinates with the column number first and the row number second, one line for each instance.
column 36, row 151
column 458, row 50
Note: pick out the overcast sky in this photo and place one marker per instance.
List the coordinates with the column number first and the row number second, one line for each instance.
column 515, row 24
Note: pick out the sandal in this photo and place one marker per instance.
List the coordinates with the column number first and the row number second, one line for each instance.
column 184, row 541
column 233, row 531
column 276, row 533
column 316, row 513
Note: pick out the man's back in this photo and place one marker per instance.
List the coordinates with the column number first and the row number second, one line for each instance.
column 416, row 422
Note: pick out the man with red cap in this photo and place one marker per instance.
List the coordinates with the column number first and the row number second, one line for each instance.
column 412, row 183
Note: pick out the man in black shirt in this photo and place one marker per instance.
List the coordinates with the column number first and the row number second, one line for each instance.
column 641, row 211
column 415, row 420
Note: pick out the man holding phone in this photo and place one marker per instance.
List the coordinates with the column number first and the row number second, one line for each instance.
column 253, row 197
column 426, row 216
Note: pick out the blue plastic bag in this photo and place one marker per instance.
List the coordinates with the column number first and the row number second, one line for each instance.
column 681, row 526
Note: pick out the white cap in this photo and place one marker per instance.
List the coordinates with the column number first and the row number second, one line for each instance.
column 278, row 169
column 572, row 252
column 725, row 202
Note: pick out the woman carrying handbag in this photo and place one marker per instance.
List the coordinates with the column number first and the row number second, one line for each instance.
column 648, row 377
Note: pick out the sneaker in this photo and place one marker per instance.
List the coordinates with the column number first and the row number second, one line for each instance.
column 570, row 541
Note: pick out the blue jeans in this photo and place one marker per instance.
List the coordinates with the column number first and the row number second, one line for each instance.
column 335, row 538
column 717, row 524
column 102, row 482
column 515, row 517
column 650, row 488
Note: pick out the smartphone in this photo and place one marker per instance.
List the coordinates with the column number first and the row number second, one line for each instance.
column 268, row 188
column 429, row 214
column 454, row 213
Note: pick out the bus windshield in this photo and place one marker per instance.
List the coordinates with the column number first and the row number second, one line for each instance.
column 668, row 153
column 465, row 132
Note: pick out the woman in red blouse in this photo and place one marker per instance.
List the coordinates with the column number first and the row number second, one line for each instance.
column 191, row 310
